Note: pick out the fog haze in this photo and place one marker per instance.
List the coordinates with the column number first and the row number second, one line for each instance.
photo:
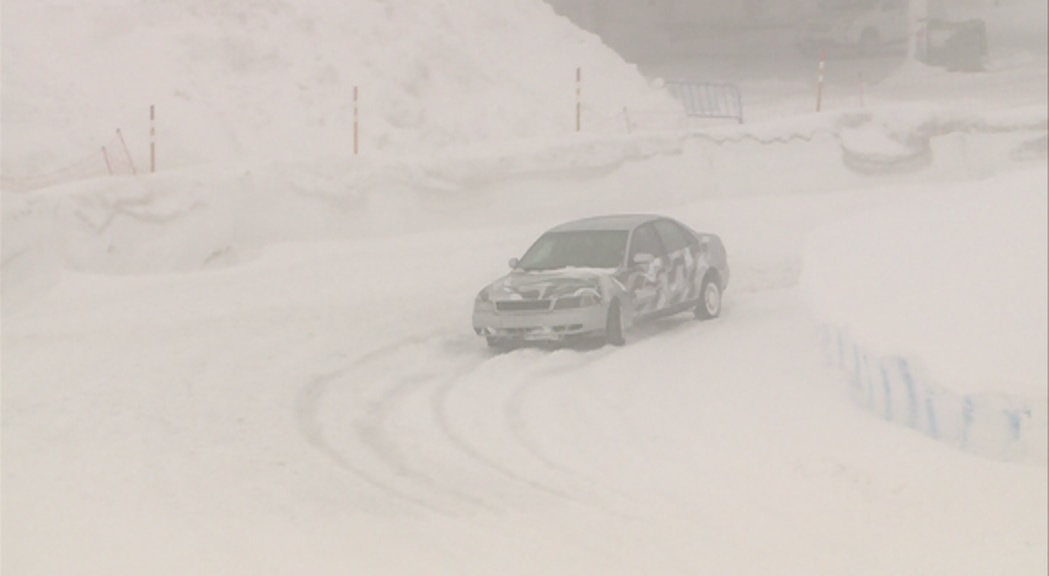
column 242, row 242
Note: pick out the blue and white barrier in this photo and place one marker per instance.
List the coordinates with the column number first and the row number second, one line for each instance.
column 898, row 390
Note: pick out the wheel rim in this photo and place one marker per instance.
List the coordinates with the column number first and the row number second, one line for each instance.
column 712, row 298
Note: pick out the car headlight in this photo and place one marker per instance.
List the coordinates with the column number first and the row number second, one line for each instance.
column 483, row 301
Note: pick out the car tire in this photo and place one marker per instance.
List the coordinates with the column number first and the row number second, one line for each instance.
column 709, row 305
column 615, row 334
column 500, row 344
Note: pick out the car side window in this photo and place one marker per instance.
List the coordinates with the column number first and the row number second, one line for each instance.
column 645, row 241
column 674, row 237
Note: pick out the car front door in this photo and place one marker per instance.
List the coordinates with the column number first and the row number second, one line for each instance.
column 646, row 271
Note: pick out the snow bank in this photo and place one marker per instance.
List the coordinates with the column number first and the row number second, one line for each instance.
column 221, row 215
column 897, row 388
column 952, row 284
column 275, row 80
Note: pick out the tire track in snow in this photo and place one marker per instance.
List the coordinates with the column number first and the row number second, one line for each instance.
column 371, row 427
column 439, row 402
column 372, row 431
column 312, row 429
column 308, row 407
column 513, row 408
column 442, row 400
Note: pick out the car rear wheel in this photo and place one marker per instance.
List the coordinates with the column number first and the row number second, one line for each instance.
column 614, row 331
column 709, row 305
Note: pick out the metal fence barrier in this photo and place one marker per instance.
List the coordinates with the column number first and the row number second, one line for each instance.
column 708, row 99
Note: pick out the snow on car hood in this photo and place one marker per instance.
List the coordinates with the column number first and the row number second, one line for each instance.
column 537, row 285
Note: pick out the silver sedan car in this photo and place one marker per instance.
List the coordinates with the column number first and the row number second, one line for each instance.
column 598, row 277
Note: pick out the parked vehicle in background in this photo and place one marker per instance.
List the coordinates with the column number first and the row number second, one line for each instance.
column 860, row 27
column 597, row 278
column 953, row 44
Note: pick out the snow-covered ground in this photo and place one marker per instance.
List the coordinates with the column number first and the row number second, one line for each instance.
column 258, row 360
column 937, row 308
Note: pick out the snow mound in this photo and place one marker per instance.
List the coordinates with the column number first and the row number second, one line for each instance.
column 215, row 216
column 951, row 282
column 982, row 262
column 276, row 80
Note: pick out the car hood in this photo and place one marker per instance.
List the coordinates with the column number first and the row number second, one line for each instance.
column 539, row 285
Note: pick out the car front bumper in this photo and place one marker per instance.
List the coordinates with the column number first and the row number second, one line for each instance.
column 547, row 325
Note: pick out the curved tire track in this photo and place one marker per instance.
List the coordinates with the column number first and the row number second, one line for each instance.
column 310, row 426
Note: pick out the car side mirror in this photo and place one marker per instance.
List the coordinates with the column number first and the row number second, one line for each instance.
column 514, row 262
column 643, row 258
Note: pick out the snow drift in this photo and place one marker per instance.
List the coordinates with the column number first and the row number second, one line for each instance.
column 952, row 281
column 276, row 80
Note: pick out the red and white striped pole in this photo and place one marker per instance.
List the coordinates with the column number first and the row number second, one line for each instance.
column 152, row 140
column 356, row 123
column 578, row 99
column 819, row 84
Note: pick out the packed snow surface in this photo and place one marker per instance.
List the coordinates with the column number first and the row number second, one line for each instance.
column 970, row 260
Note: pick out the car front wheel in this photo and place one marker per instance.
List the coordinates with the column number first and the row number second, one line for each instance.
column 501, row 344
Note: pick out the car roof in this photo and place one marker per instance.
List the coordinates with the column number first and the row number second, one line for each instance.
column 607, row 222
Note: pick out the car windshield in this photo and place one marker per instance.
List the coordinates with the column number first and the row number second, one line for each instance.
column 578, row 249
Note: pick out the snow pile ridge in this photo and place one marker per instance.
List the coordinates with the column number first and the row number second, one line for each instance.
column 951, row 282
column 276, row 80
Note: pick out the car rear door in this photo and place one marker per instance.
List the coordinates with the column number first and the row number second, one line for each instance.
column 680, row 261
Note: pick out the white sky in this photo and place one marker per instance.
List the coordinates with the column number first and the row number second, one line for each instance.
column 259, row 360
